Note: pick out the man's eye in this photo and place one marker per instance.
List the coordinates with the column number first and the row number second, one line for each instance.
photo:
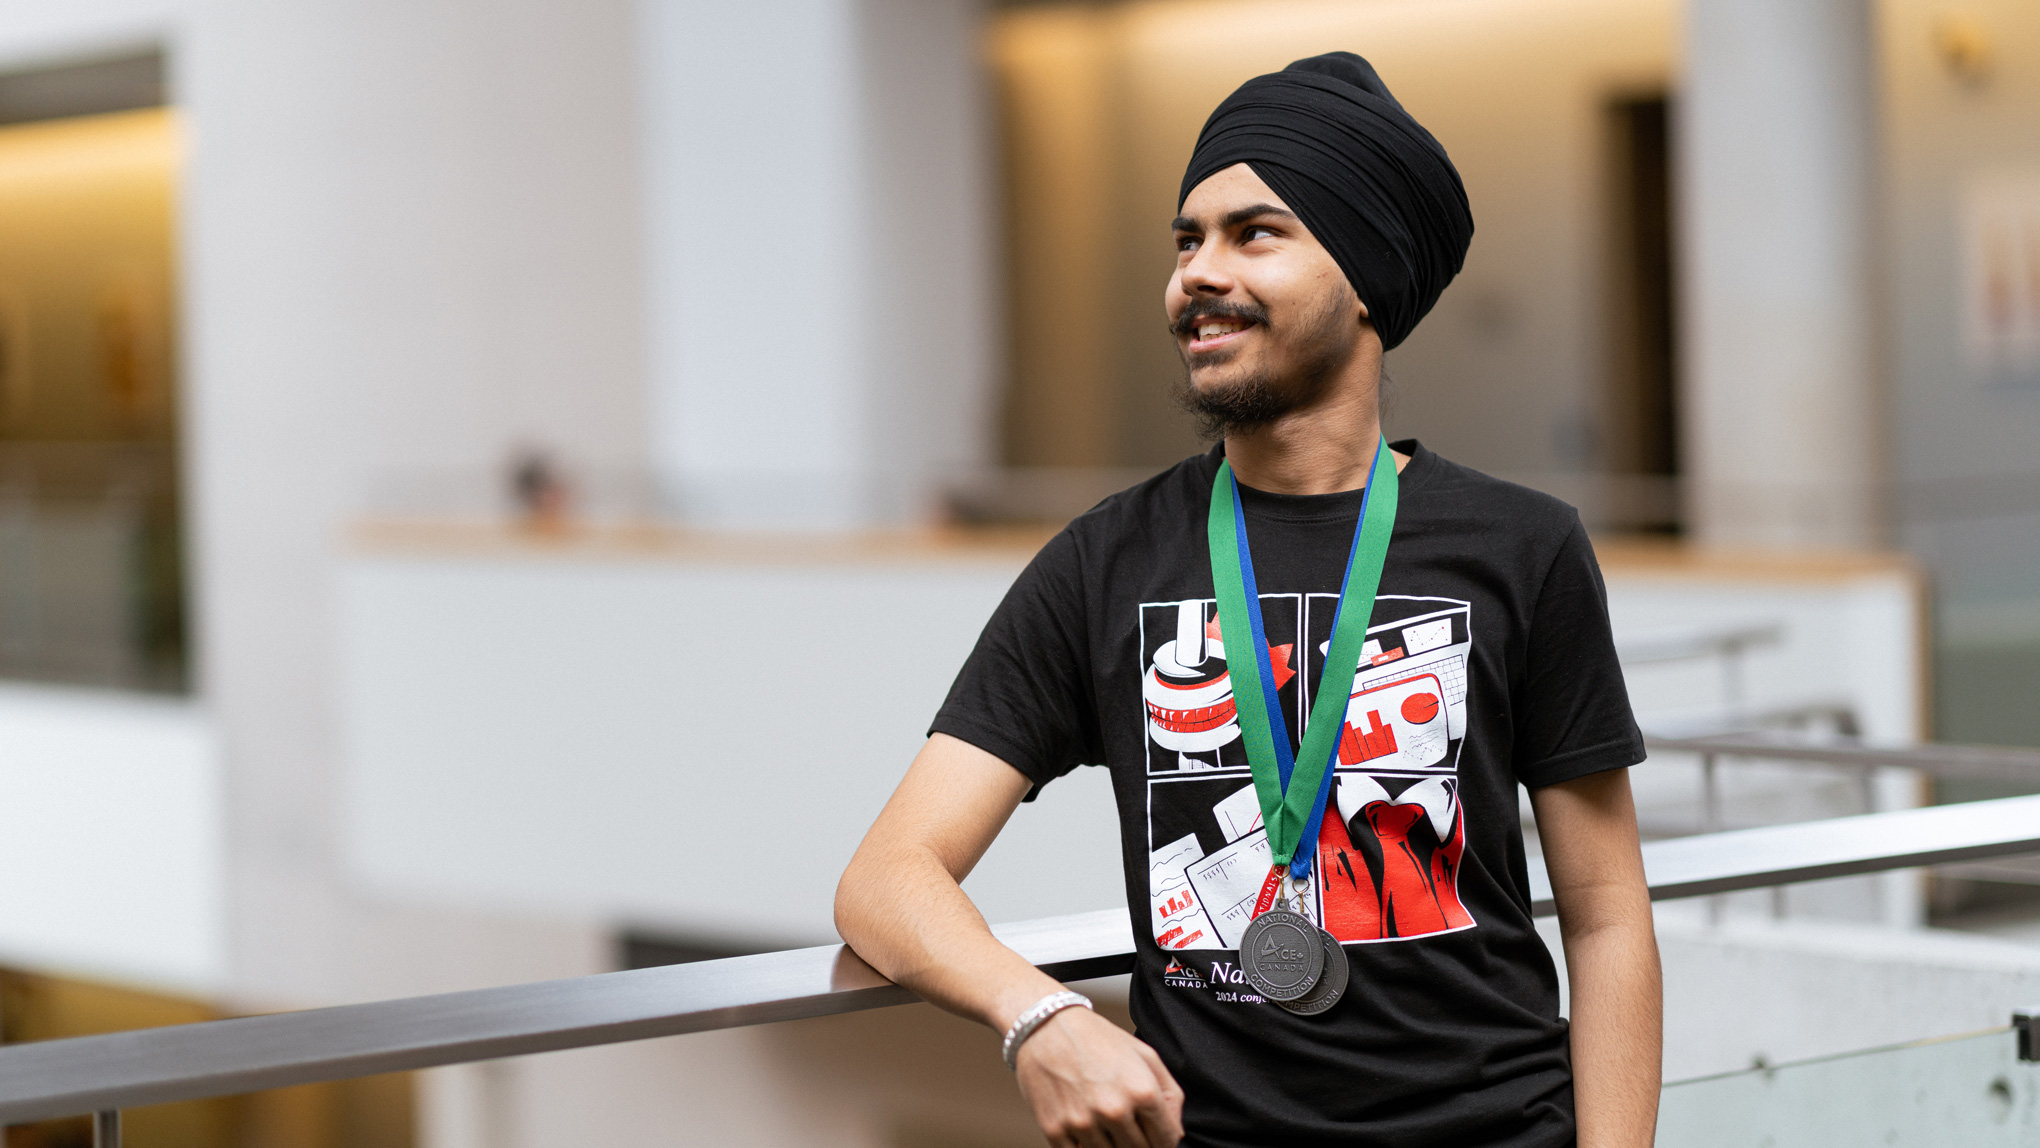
column 1256, row 232
column 1186, row 243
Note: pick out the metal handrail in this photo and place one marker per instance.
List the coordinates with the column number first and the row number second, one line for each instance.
column 1969, row 762
column 55, row 1078
column 189, row 1062
column 1726, row 642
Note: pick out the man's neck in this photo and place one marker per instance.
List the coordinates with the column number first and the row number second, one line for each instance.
column 1324, row 448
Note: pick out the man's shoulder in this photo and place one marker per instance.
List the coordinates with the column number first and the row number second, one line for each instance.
column 1176, row 496
column 1462, row 493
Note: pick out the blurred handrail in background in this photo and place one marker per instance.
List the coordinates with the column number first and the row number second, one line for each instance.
column 1969, row 762
column 1726, row 641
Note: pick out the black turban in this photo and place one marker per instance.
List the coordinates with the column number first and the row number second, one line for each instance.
column 1364, row 176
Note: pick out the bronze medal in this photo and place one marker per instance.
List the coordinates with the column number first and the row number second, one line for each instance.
column 1282, row 955
column 1330, row 987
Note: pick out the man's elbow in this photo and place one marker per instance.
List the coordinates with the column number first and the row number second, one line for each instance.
column 1604, row 907
column 850, row 898
column 861, row 892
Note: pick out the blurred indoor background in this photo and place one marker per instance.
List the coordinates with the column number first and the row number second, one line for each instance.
column 433, row 434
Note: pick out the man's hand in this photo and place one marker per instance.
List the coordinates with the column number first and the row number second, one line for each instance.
column 1092, row 1085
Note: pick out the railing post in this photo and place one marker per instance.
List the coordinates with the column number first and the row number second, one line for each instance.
column 1710, row 822
column 106, row 1128
column 1710, row 795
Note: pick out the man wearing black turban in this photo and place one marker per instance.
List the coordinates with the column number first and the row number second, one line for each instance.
column 1318, row 223
column 1371, row 184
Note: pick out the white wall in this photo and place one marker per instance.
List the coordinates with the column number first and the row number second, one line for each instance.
column 112, row 847
column 1850, row 637
column 696, row 746
column 820, row 260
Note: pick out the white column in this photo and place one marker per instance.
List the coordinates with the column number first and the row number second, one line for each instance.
column 820, row 256
column 1781, row 406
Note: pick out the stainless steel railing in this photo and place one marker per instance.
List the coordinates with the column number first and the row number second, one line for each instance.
column 1968, row 762
column 1965, row 762
column 1846, row 752
column 103, row 1074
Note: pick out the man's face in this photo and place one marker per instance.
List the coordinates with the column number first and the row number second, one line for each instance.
column 1262, row 314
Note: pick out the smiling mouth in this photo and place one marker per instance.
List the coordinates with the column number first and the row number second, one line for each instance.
column 1216, row 334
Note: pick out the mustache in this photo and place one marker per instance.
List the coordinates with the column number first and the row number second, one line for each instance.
column 1201, row 309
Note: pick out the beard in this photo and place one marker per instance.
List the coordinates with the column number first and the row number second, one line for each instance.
column 1316, row 348
column 1240, row 405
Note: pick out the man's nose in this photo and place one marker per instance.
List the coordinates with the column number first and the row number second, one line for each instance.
column 1204, row 275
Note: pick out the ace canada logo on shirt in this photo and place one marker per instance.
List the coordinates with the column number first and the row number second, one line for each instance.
column 1388, row 854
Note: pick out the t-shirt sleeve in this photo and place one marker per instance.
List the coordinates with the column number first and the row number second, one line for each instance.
column 1572, row 710
column 1024, row 695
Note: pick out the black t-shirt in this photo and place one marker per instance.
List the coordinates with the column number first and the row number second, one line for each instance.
column 1490, row 663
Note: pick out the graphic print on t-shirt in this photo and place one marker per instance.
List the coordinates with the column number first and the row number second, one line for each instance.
column 1389, row 851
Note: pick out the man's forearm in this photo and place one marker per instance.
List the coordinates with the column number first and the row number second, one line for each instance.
column 1588, row 829
column 1617, row 1032
column 901, row 907
column 905, row 915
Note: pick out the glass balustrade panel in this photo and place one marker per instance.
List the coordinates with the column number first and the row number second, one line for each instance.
column 1970, row 1090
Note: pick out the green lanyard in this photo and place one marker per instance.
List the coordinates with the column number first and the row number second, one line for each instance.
column 1294, row 789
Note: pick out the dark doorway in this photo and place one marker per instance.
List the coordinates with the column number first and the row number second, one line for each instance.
column 1642, row 396
column 91, row 553
column 83, row 88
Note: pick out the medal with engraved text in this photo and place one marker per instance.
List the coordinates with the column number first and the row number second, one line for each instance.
column 1281, row 955
column 1331, row 985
